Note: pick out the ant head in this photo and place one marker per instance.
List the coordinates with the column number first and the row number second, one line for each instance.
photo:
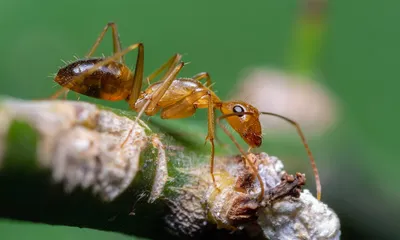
column 246, row 124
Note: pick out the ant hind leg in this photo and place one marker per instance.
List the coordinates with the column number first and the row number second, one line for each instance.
column 116, row 41
column 116, row 48
column 86, row 73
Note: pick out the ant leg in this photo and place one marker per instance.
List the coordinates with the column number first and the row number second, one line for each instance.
column 159, row 93
column 116, row 46
column 199, row 77
column 203, row 75
column 261, row 195
column 185, row 107
column 137, row 77
column 116, row 41
column 304, row 141
column 96, row 66
column 248, row 151
column 137, row 85
column 169, row 65
column 211, row 134
column 78, row 97
column 150, row 107
column 66, row 94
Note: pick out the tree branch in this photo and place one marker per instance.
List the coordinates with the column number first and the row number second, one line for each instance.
column 64, row 163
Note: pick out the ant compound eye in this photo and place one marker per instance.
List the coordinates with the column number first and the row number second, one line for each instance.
column 238, row 109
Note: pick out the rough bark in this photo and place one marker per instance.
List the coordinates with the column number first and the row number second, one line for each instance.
column 78, row 164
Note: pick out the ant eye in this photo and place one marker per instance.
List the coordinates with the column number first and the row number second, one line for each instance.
column 238, row 109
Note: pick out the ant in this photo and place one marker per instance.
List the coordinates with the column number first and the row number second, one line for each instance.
column 110, row 79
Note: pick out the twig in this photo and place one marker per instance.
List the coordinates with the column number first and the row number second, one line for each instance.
column 61, row 162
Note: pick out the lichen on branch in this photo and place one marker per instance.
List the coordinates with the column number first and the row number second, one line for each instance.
column 96, row 169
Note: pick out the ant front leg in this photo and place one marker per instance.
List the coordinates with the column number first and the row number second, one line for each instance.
column 244, row 154
column 211, row 135
column 199, row 77
column 211, row 122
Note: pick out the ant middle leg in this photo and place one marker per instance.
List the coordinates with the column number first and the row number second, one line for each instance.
column 204, row 75
column 137, row 86
column 172, row 73
column 150, row 104
column 187, row 107
column 169, row 65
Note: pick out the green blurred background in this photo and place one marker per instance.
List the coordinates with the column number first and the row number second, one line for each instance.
column 358, row 62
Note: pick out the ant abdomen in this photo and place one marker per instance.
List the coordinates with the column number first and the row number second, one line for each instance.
column 112, row 81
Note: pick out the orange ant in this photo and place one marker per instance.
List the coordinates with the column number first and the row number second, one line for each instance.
column 110, row 79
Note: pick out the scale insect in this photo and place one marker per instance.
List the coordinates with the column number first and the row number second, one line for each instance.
column 110, row 79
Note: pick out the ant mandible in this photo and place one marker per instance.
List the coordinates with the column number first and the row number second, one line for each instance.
column 110, row 79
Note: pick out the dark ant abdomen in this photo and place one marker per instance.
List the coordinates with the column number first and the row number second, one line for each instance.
column 110, row 82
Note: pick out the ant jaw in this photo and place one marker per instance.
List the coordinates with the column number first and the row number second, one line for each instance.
column 254, row 140
column 258, row 142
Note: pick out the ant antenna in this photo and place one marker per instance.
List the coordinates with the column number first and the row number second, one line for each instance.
column 303, row 139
